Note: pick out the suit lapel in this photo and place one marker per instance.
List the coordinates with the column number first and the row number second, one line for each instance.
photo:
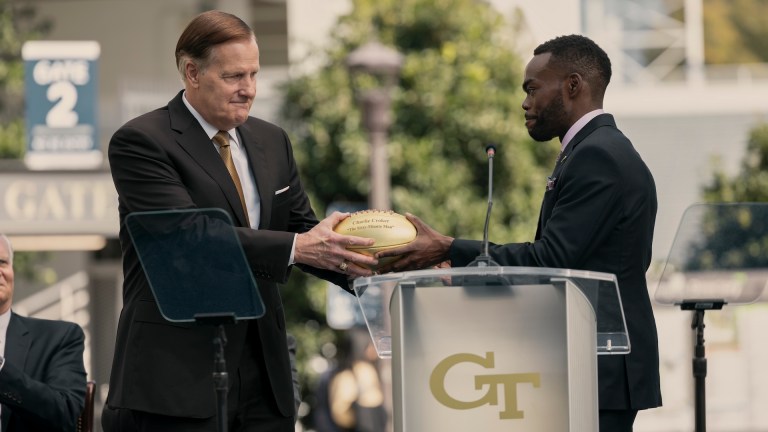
column 18, row 341
column 193, row 139
column 262, row 173
column 594, row 124
column 17, row 346
column 552, row 182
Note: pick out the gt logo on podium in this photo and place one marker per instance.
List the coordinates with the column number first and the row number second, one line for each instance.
column 508, row 383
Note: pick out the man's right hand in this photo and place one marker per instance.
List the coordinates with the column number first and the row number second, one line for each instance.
column 428, row 250
column 324, row 248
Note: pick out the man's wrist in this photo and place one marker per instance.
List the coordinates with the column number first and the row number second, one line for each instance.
column 292, row 258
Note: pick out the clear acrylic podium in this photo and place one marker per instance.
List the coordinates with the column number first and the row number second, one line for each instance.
column 494, row 348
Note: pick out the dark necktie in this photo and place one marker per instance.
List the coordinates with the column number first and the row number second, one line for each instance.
column 222, row 139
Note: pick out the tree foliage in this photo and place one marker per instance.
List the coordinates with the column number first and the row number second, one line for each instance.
column 751, row 183
column 459, row 89
column 736, row 236
column 18, row 23
column 735, row 31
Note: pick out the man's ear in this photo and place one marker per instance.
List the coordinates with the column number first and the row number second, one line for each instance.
column 192, row 73
column 574, row 83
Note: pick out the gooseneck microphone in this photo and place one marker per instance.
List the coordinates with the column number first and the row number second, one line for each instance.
column 484, row 259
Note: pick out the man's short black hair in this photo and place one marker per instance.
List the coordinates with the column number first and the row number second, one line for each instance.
column 576, row 53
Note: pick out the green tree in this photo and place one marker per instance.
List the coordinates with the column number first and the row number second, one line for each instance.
column 18, row 23
column 735, row 31
column 736, row 236
column 459, row 89
column 751, row 183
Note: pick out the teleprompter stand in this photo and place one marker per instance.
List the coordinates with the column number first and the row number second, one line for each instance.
column 699, row 363
column 713, row 262
column 220, row 374
column 198, row 273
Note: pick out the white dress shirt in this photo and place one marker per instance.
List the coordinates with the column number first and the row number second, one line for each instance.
column 579, row 125
column 247, row 180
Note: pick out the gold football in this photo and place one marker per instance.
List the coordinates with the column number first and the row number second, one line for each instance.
column 387, row 228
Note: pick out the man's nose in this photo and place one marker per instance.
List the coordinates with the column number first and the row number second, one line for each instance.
column 248, row 87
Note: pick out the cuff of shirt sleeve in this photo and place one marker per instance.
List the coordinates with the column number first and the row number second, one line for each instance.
column 293, row 250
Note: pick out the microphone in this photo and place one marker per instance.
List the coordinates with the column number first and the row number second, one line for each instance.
column 484, row 259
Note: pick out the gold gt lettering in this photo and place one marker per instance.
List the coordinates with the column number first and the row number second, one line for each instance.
column 508, row 382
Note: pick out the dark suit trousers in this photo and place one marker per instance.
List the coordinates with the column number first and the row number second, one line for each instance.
column 617, row 420
column 251, row 404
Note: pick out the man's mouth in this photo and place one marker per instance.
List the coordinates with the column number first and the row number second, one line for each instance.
column 529, row 121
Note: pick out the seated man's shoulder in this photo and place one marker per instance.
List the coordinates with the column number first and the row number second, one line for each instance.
column 50, row 327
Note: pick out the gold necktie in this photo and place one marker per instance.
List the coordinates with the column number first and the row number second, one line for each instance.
column 222, row 139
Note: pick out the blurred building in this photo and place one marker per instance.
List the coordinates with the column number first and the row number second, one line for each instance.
column 679, row 113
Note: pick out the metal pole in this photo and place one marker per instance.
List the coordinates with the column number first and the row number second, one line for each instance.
column 700, row 371
column 379, row 60
column 380, row 182
column 377, row 119
column 221, row 380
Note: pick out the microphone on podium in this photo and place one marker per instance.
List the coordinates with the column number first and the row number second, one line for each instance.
column 484, row 259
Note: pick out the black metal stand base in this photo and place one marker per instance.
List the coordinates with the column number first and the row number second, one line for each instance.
column 220, row 375
column 699, row 363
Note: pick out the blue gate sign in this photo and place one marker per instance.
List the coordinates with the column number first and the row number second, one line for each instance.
column 61, row 87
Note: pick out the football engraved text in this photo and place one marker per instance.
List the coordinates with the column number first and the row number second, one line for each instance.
column 372, row 223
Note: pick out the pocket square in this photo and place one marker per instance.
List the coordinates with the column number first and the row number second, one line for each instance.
column 551, row 181
column 279, row 191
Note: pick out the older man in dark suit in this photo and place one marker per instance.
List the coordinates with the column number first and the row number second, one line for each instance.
column 598, row 214
column 42, row 376
column 203, row 150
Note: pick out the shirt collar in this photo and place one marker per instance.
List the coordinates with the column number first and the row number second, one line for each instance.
column 5, row 318
column 209, row 129
column 579, row 125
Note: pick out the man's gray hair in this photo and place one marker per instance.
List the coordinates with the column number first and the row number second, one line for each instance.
column 9, row 245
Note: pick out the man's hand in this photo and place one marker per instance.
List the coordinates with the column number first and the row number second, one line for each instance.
column 321, row 247
column 429, row 249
